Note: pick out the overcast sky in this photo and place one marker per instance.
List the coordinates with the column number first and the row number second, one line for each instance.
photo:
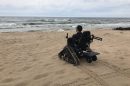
column 65, row 8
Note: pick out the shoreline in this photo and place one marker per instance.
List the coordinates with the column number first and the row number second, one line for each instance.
column 58, row 30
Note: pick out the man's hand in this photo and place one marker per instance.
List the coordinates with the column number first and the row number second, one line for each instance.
column 67, row 36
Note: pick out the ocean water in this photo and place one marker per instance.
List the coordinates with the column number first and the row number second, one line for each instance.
column 22, row 24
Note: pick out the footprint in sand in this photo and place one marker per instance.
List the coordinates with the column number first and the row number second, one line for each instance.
column 1, row 69
column 41, row 76
column 47, row 83
column 121, row 32
column 8, row 80
column 22, row 84
column 47, row 64
column 106, row 34
column 61, row 77
column 33, row 60
column 26, row 68
column 122, row 58
column 1, row 65
column 106, row 52
column 60, row 71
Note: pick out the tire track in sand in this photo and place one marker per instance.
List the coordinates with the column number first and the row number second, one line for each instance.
column 102, row 79
column 114, row 68
column 93, row 75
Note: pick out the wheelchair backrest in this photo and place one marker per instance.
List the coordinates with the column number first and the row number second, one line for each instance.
column 86, row 37
column 85, row 40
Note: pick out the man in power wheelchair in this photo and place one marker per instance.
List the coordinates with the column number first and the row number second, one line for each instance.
column 79, row 46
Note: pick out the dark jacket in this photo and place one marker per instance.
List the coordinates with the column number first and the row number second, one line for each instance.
column 77, row 38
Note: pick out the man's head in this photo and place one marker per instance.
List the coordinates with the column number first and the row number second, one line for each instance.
column 79, row 28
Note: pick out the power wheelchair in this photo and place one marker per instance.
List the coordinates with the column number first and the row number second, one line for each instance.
column 72, row 52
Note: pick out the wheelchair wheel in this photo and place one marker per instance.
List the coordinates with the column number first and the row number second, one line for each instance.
column 69, row 55
column 61, row 54
column 94, row 58
column 74, row 58
column 89, row 60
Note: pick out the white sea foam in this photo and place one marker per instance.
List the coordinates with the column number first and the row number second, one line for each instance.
column 60, row 30
column 7, row 24
column 58, row 24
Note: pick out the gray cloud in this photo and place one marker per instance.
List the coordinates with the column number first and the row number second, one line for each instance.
column 91, row 8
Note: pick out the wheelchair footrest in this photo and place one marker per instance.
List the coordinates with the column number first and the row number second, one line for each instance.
column 90, row 54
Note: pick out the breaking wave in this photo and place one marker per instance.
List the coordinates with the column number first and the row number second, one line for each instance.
column 59, row 24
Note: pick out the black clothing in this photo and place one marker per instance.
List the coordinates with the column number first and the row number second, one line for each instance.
column 82, row 40
column 77, row 38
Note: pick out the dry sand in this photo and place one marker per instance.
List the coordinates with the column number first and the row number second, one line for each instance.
column 30, row 59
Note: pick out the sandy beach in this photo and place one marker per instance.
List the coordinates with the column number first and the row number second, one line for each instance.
column 30, row 59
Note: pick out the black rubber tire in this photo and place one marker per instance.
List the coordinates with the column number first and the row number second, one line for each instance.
column 69, row 55
column 60, row 55
column 74, row 56
column 89, row 60
column 94, row 58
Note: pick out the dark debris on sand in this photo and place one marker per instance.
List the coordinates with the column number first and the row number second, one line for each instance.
column 122, row 28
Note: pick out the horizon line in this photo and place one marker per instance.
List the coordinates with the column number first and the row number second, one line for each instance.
column 65, row 16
